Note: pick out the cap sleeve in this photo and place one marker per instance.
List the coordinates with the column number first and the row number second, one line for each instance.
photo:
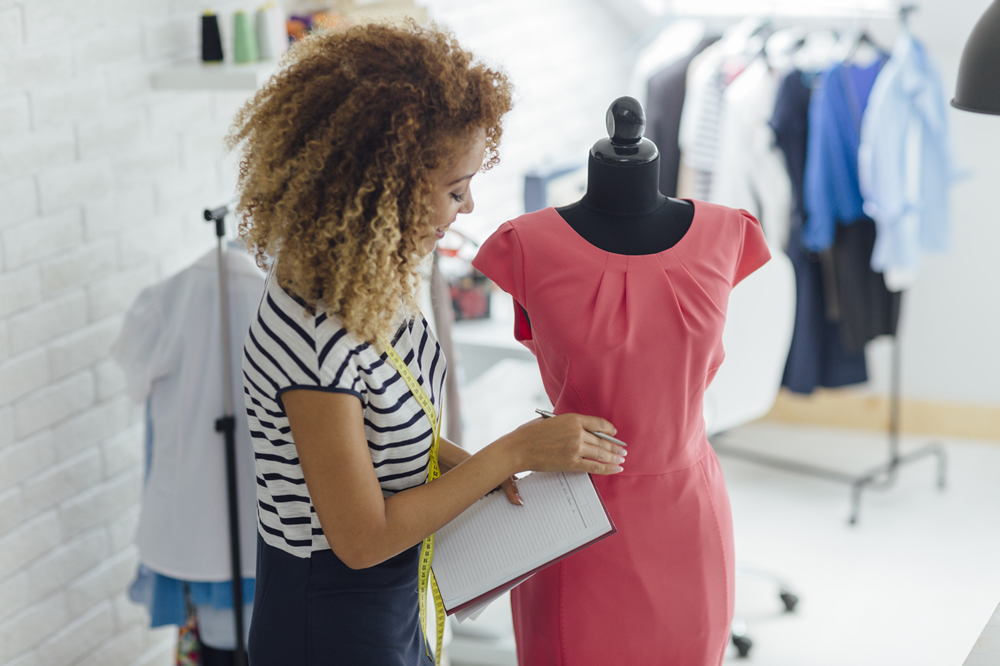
column 754, row 252
column 136, row 349
column 500, row 259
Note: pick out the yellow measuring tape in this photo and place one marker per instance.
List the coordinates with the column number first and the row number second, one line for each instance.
column 433, row 472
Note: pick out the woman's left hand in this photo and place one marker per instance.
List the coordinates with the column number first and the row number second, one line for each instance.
column 510, row 489
column 450, row 455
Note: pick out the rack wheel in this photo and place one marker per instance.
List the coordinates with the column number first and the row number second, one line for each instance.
column 790, row 601
column 743, row 645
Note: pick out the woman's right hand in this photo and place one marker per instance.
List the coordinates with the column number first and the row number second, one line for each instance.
column 563, row 443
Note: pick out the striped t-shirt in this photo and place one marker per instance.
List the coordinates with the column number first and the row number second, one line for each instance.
column 286, row 349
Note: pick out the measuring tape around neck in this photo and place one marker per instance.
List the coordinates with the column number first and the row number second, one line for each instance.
column 433, row 472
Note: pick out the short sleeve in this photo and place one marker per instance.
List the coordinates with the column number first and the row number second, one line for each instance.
column 500, row 259
column 136, row 346
column 340, row 365
column 754, row 252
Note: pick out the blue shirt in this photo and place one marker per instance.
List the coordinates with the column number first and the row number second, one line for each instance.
column 831, row 190
column 905, row 166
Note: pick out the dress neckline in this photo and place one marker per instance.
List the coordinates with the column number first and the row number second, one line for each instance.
column 594, row 248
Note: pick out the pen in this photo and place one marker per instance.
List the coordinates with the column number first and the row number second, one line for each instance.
column 600, row 435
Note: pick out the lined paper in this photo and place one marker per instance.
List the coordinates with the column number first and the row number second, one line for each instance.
column 494, row 541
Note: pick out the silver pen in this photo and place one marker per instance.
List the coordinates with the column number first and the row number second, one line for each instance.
column 600, row 435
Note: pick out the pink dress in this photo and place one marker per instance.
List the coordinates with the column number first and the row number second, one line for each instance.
column 636, row 340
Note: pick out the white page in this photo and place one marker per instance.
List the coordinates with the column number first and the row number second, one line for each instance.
column 494, row 541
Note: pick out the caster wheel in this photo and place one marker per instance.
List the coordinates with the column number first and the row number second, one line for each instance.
column 743, row 645
column 790, row 601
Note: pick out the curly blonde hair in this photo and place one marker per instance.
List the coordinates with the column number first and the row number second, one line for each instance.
column 336, row 154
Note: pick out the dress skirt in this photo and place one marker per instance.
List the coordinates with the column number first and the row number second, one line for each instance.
column 317, row 611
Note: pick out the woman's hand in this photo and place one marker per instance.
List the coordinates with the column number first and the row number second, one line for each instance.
column 566, row 443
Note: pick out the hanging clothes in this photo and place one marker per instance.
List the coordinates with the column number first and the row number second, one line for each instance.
column 170, row 351
column 904, row 163
column 817, row 356
column 665, row 102
column 698, row 135
column 750, row 171
column 164, row 596
column 831, row 191
column 833, row 202
column 675, row 42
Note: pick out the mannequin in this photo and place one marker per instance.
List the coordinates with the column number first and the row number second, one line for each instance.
column 623, row 211
column 628, row 292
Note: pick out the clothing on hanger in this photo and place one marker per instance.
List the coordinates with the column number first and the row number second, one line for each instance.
column 817, row 355
column 831, row 192
column 866, row 308
column 699, row 125
column 675, row 42
column 750, row 171
column 164, row 597
column 833, row 203
column 665, row 102
column 170, row 352
column 905, row 168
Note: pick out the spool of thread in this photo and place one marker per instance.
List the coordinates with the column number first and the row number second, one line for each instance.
column 272, row 34
column 211, row 41
column 244, row 39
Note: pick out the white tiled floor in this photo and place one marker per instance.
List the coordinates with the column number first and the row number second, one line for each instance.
column 913, row 584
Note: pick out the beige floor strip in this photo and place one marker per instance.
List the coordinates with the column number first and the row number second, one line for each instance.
column 855, row 409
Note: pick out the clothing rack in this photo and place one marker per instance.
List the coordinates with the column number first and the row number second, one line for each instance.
column 882, row 476
column 226, row 424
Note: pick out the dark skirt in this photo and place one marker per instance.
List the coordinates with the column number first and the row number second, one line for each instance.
column 317, row 611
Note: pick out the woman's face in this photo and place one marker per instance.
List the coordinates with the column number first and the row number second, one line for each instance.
column 452, row 193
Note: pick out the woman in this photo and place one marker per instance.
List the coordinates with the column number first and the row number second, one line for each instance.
column 356, row 157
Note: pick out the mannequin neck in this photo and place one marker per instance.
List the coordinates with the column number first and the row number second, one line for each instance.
column 623, row 190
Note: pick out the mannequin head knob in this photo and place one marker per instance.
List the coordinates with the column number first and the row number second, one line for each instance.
column 626, row 121
column 626, row 146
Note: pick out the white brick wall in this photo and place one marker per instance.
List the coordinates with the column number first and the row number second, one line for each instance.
column 102, row 181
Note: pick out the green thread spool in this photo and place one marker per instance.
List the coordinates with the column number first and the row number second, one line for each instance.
column 244, row 39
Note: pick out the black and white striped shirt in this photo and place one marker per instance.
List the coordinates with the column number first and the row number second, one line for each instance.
column 288, row 349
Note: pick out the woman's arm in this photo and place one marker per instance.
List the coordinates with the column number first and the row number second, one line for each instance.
column 450, row 455
column 364, row 529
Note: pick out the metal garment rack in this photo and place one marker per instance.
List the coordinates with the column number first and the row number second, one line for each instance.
column 879, row 477
column 227, row 425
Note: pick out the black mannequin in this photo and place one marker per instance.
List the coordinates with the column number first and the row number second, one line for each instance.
column 623, row 211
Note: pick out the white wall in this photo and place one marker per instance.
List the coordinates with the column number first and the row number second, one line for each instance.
column 568, row 60
column 101, row 185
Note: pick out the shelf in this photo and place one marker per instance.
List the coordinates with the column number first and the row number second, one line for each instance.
column 220, row 76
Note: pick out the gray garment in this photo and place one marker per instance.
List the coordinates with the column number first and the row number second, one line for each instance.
column 665, row 102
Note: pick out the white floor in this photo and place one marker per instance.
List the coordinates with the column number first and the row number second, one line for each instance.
column 912, row 584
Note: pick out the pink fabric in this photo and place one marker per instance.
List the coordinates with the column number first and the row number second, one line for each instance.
column 635, row 339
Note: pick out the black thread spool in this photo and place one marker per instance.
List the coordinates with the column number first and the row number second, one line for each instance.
column 211, row 40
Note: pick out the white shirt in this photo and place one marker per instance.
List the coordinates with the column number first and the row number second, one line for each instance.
column 170, row 350
column 750, row 170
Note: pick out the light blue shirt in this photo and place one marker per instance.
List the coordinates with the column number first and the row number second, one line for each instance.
column 904, row 163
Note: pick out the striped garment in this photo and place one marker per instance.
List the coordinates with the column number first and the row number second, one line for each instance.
column 287, row 349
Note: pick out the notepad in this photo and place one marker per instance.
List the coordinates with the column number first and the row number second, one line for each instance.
column 494, row 545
